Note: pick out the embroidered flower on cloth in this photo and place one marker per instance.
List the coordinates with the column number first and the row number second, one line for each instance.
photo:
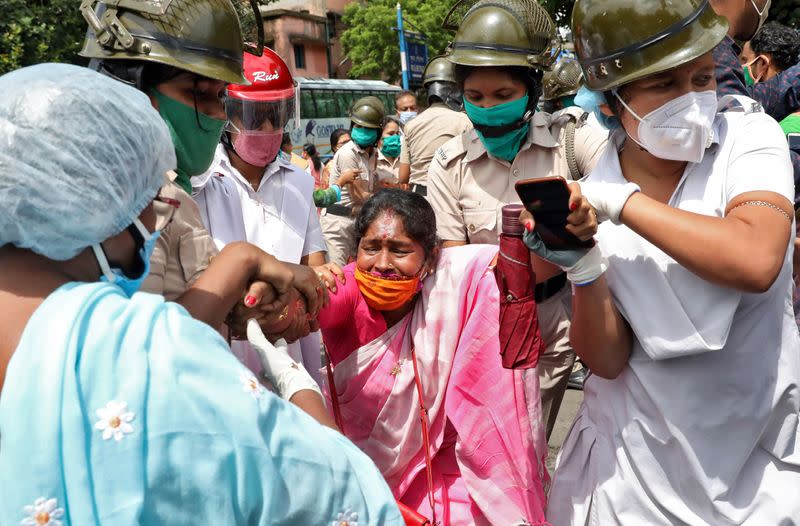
column 398, row 368
column 43, row 512
column 250, row 384
column 346, row 518
column 114, row 420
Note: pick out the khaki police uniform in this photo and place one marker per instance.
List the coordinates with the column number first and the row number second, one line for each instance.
column 426, row 133
column 337, row 220
column 183, row 250
column 387, row 169
column 467, row 189
column 299, row 161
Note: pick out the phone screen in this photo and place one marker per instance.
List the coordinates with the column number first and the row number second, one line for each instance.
column 548, row 200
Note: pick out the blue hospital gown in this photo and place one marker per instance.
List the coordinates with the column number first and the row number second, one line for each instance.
column 128, row 411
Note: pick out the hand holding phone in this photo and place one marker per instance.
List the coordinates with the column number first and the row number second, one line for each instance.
column 548, row 200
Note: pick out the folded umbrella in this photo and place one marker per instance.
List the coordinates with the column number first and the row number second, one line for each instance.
column 520, row 340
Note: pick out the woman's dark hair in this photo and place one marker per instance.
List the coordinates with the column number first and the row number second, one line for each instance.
column 335, row 136
column 613, row 102
column 781, row 43
column 394, row 119
column 418, row 218
column 532, row 78
column 311, row 151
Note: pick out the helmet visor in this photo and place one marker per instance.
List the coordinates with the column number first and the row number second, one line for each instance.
column 265, row 116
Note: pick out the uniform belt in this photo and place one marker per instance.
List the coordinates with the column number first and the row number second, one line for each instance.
column 339, row 210
column 420, row 189
column 549, row 288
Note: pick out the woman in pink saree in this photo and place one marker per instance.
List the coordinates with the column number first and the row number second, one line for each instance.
column 407, row 307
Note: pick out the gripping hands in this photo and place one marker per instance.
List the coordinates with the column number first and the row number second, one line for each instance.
column 286, row 374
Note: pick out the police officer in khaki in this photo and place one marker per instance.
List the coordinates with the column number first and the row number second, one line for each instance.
column 183, row 63
column 183, row 53
column 440, row 122
column 499, row 51
column 367, row 117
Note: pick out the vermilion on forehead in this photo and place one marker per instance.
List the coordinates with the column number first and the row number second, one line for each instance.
column 387, row 224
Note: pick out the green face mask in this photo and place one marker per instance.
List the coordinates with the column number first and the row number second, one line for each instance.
column 391, row 146
column 364, row 136
column 748, row 78
column 568, row 101
column 194, row 145
column 507, row 145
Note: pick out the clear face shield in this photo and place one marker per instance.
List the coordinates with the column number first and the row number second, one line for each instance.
column 258, row 116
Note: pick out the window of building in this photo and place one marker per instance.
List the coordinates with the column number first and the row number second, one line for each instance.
column 299, row 56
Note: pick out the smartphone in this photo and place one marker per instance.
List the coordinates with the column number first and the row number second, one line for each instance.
column 794, row 141
column 547, row 198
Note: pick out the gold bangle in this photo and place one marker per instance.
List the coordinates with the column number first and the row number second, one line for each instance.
column 766, row 204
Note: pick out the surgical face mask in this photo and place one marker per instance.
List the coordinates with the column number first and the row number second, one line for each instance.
column 681, row 129
column 762, row 15
column 258, row 148
column 590, row 101
column 194, row 135
column 364, row 137
column 406, row 116
column 391, row 146
column 115, row 275
column 386, row 294
column 505, row 146
column 748, row 74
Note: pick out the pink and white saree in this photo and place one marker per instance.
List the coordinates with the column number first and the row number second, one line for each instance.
column 486, row 438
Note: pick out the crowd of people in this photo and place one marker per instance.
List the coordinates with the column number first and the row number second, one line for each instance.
column 203, row 326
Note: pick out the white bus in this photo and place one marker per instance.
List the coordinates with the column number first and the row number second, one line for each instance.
column 324, row 104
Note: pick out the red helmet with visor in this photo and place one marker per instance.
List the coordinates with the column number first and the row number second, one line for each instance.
column 268, row 103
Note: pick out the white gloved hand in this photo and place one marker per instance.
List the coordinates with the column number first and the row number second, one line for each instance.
column 608, row 199
column 588, row 268
column 286, row 375
column 583, row 266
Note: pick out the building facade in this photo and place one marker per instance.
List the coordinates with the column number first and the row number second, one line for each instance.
column 306, row 34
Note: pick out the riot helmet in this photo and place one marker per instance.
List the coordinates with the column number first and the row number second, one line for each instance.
column 620, row 41
column 439, row 79
column 204, row 37
column 368, row 112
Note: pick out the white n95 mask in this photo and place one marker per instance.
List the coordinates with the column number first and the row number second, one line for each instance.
column 681, row 129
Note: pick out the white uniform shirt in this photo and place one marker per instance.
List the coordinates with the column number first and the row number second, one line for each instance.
column 279, row 217
column 701, row 427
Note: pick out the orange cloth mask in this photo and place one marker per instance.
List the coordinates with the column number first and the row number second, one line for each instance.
column 385, row 294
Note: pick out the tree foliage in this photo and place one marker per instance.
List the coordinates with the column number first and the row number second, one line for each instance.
column 371, row 43
column 33, row 31
column 786, row 12
column 560, row 10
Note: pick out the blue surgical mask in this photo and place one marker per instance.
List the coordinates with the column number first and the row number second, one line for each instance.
column 115, row 275
column 391, row 146
column 406, row 116
column 364, row 137
column 507, row 145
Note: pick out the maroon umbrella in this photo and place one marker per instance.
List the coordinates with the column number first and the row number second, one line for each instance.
column 520, row 341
